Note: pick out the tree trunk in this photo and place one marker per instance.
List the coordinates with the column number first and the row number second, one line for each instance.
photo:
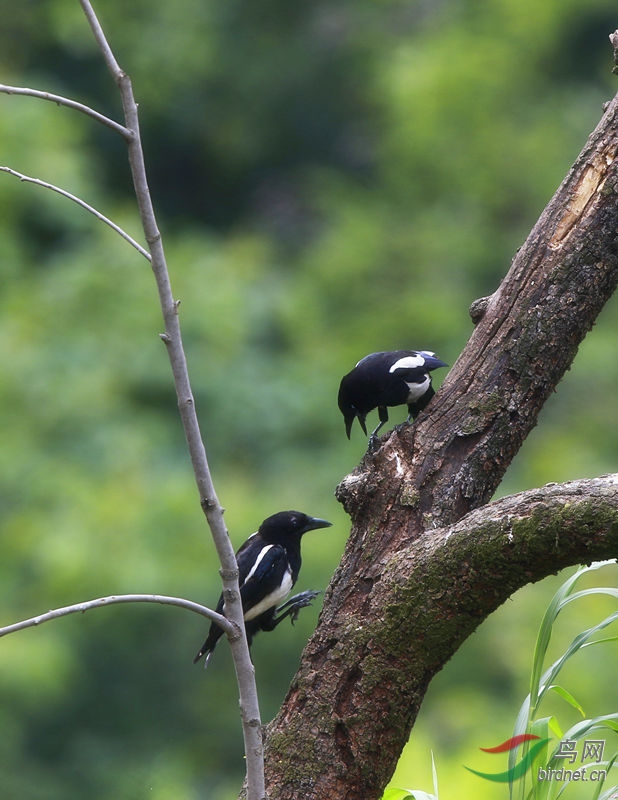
column 413, row 584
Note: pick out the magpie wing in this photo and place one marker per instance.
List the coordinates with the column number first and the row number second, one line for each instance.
column 245, row 558
column 264, row 576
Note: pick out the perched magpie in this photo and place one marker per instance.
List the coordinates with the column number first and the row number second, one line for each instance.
column 268, row 566
column 387, row 379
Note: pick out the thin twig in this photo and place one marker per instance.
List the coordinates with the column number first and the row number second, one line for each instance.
column 101, row 40
column 66, row 101
column 211, row 506
column 80, row 608
column 245, row 675
column 83, row 204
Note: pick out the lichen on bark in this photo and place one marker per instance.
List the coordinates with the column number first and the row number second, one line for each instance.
column 422, row 567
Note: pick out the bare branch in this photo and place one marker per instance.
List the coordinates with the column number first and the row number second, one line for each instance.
column 80, row 608
column 360, row 685
column 100, row 39
column 432, row 594
column 66, row 101
column 245, row 675
column 83, row 204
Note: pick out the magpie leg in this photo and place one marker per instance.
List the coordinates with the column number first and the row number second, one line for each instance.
column 374, row 433
column 373, row 442
column 373, row 439
column 292, row 607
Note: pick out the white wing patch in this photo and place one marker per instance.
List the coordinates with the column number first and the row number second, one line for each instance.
column 263, row 552
column 272, row 599
column 408, row 362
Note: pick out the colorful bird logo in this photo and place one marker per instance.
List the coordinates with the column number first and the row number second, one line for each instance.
column 519, row 769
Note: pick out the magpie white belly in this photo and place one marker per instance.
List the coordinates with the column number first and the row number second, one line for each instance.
column 272, row 599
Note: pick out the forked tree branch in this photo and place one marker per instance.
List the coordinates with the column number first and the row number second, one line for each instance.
column 90, row 209
column 408, row 589
column 249, row 706
column 60, row 100
column 209, row 501
column 433, row 593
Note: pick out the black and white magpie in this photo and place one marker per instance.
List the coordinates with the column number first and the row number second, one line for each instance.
column 268, row 566
column 387, row 379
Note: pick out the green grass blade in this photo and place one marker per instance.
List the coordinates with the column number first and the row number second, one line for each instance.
column 568, row 697
column 434, row 773
column 564, row 595
column 601, row 641
column 607, row 590
column 603, row 722
column 542, row 681
column 544, row 634
column 416, row 795
column 395, row 793
column 578, row 642
column 596, row 795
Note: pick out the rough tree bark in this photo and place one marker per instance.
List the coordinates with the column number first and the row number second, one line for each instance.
column 418, row 575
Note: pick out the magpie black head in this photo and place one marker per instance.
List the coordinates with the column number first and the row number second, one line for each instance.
column 384, row 379
column 268, row 566
column 287, row 525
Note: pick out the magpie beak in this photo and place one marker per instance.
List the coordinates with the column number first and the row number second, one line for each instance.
column 268, row 566
column 391, row 378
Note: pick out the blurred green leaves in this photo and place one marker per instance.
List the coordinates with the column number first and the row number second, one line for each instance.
column 331, row 179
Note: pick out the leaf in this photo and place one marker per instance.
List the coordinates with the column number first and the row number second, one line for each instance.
column 545, row 631
column 541, row 682
column 580, row 729
column 394, row 793
column 611, row 792
column 434, row 773
column 555, row 728
column 539, row 790
column 578, row 642
column 562, row 597
column 601, row 641
column 566, row 695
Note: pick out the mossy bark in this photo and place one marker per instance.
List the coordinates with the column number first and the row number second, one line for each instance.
column 410, row 588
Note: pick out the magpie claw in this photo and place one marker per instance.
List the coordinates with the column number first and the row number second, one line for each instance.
column 373, row 443
column 293, row 606
column 386, row 379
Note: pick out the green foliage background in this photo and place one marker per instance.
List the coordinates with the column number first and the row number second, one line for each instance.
column 331, row 179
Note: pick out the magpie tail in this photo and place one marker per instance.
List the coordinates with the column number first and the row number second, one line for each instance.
column 207, row 649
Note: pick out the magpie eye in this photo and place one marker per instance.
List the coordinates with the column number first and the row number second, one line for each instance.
column 268, row 565
column 385, row 379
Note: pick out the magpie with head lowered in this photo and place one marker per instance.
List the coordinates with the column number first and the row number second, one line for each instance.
column 268, row 566
column 392, row 378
